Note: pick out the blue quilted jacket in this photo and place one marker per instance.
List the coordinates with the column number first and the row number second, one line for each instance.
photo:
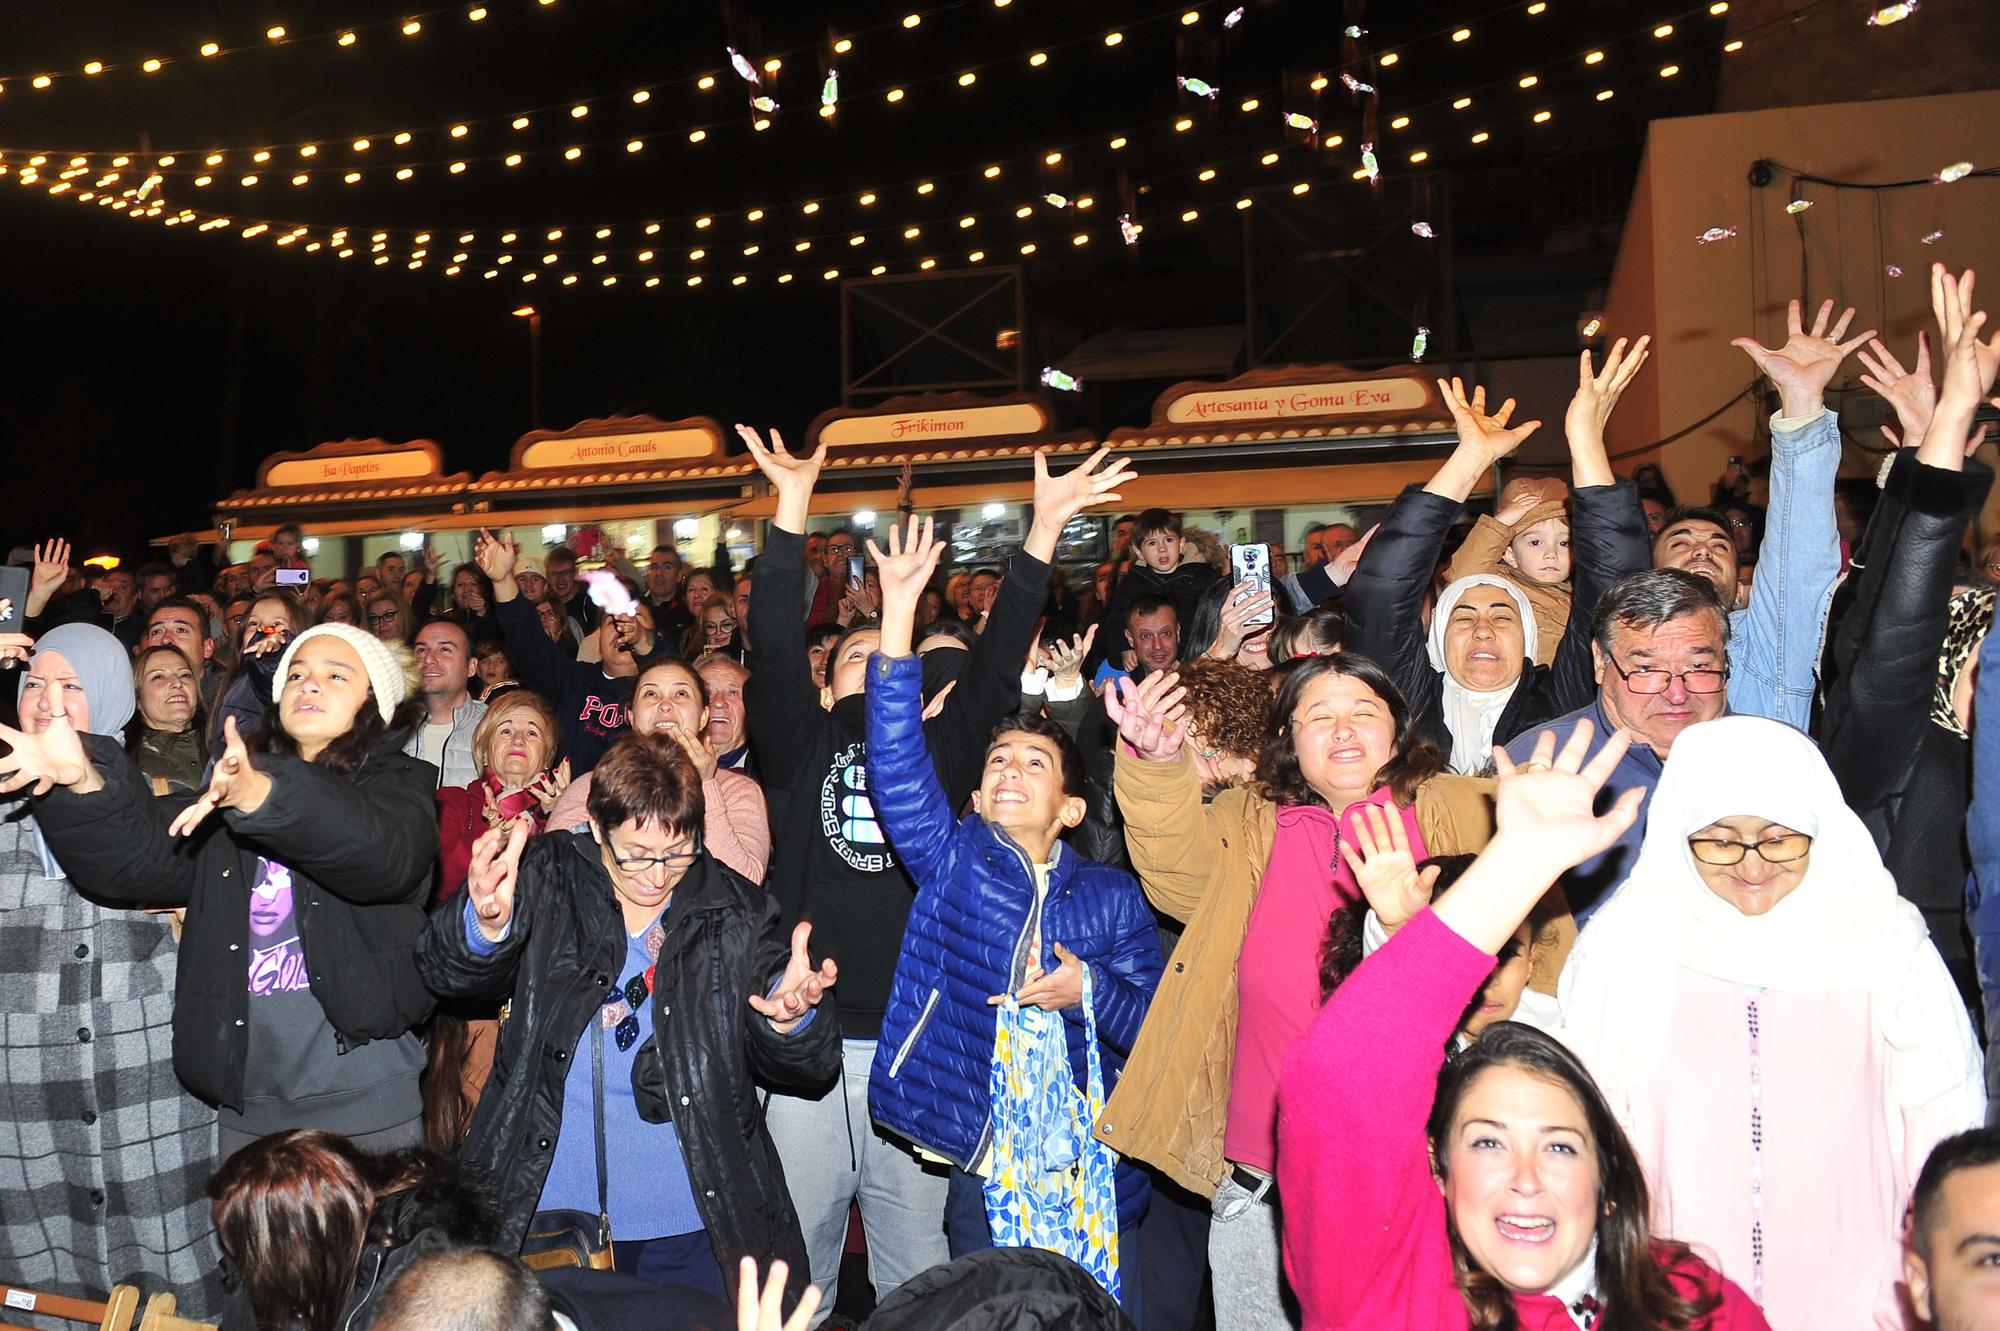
column 968, row 938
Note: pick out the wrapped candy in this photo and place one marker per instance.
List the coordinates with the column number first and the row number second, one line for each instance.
column 152, row 183
column 1128, row 228
column 1354, row 84
column 1066, row 383
column 609, row 593
column 1590, row 329
column 1895, row 270
column 764, row 104
column 1423, row 229
column 1715, row 233
column 743, row 67
column 1356, row 31
column 1934, row 237
column 1056, row 200
column 1420, row 343
column 1888, row 14
column 829, row 92
column 1294, row 120
column 1198, row 87
column 1369, row 164
column 1797, row 206
column 1956, row 171
column 1233, row 17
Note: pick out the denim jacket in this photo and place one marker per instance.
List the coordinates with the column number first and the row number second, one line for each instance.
column 1774, row 644
column 1982, row 833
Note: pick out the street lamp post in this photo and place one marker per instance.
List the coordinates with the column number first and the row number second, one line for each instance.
column 534, row 318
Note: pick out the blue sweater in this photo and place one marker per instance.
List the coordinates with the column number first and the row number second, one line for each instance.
column 968, row 937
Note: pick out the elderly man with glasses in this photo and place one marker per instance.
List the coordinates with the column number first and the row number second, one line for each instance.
column 1660, row 642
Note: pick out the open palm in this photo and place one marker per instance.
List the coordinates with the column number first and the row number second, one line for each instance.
column 1489, row 435
column 1803, row 367
column 1548, row 804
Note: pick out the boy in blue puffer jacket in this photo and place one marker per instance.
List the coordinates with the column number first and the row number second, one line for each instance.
column 1005, row 914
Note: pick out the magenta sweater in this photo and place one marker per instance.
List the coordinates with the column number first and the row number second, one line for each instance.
column 1365, row 1240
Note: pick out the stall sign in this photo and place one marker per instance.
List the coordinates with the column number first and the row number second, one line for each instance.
column 915, row 428
column 352, row 468
column 598, row 450
column 1299, row 401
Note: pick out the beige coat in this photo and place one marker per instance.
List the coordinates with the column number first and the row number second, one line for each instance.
column 1480, row 553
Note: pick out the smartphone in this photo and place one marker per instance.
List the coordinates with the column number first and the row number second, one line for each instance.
column 856, row 566
column 1250, row 567
column 14, row 590
column 294, row 577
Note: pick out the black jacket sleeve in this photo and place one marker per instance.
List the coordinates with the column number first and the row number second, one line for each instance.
column 535, row 658
column 1607, row 541
column 368, row 838
column 780, row 698
column 1385, row 598
column 1885, row 649
column 113, row 842
column 990, row 688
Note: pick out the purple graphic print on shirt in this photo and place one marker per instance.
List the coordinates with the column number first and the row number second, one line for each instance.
column 277, row 962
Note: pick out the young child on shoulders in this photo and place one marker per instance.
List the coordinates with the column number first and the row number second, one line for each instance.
column 1527, row 542
column 1159, row 568
column 1022, row 961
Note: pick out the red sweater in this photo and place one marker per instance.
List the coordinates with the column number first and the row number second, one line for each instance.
column 1365, row 1239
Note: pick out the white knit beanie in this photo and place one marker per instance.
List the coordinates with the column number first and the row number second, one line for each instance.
column 388, row 664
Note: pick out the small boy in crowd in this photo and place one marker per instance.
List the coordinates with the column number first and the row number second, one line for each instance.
column 1010, row 932
column 1159, row 571
column 1526, row 542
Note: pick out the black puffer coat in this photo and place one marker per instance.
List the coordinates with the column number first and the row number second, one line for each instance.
column 568, row 941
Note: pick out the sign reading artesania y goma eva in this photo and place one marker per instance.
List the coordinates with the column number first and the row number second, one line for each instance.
column 1298, row 401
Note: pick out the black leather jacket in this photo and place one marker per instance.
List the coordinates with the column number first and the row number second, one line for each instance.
column 564, row 951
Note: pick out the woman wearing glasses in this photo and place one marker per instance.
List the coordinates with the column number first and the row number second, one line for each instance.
column 648, row 979
column 1771, row 1024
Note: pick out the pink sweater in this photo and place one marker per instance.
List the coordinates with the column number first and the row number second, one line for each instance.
column 735, row 827
column 1365, row 1239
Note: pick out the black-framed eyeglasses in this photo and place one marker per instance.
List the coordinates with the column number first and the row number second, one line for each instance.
column 386, row 617
column 1772, row 850
column 637, row 864
column 1649, row 681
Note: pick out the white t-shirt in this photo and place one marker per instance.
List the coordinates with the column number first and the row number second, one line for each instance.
column 431, row 740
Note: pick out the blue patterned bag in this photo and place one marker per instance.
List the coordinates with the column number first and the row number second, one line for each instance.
column 1051, row 1184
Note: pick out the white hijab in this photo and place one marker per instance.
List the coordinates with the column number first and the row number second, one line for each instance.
column 1470, row 714
column 1842, row 926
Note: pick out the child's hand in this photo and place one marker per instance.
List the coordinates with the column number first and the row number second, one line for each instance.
column 1148, row 715
column 1379, row 853
column 908, row 564
column 1065, row 659
column 1051, row 991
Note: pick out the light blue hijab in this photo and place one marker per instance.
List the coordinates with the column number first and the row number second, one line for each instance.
column 104, row 668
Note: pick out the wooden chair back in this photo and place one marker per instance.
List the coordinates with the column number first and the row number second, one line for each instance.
column 160, row 1310
column 114, row 1314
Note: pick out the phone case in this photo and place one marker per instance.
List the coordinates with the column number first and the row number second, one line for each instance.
column 1250, row 566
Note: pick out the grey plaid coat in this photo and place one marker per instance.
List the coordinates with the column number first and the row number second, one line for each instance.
column 104, row 1158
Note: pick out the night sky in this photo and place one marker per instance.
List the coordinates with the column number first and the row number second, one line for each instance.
column 148, row 369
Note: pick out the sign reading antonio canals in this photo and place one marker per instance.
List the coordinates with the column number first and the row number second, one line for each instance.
column 623, row 441
column 1293, row 401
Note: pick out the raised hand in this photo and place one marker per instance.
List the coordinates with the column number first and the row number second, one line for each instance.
column 50, row 573
column 1802, row 368
column 1064, row 660
column 233, row 784
column 1963, row 359
column 792, row 477
column 1235, row 629
column 766, row 1312
column 1341, row 567
column 1488, row 437
column 53, row 758
column 1597, row 394
column 1379, row 854
column 496, row 557
column 906, row 569
column 1548, row 802
column 1060, row 498
column 801, row 986
column 1148, row 715
column 494, row 873
column 1910, row 391
column 1051, row 991
column 1951, row 302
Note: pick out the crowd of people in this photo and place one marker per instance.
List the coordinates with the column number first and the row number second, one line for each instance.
column 1580, row 914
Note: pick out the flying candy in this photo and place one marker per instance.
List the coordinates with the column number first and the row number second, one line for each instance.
column 1888, row 14
column 1233, row 17
column 1067, row 383
column 1056, row 200
column 1354, row 84
column 610, row 594
column 1797, row 206
column 1423, row 340
column 1934, row 237
column 1895, row 270
column 1369, row 164
column 1197, row 87
column 1423, row 229
column 1956, row 171
column 743, row 67
column 152, row 183
column 764, row 104
column 1296, row 121
column 1590, row 329
column 1356, row 31
column 1128, row 228
column 829, row 92
column 1715, row 233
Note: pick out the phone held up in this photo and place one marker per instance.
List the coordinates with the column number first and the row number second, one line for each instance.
column 294, row 577
column 857, row 565
column 1250, row 570
column 14, row 581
